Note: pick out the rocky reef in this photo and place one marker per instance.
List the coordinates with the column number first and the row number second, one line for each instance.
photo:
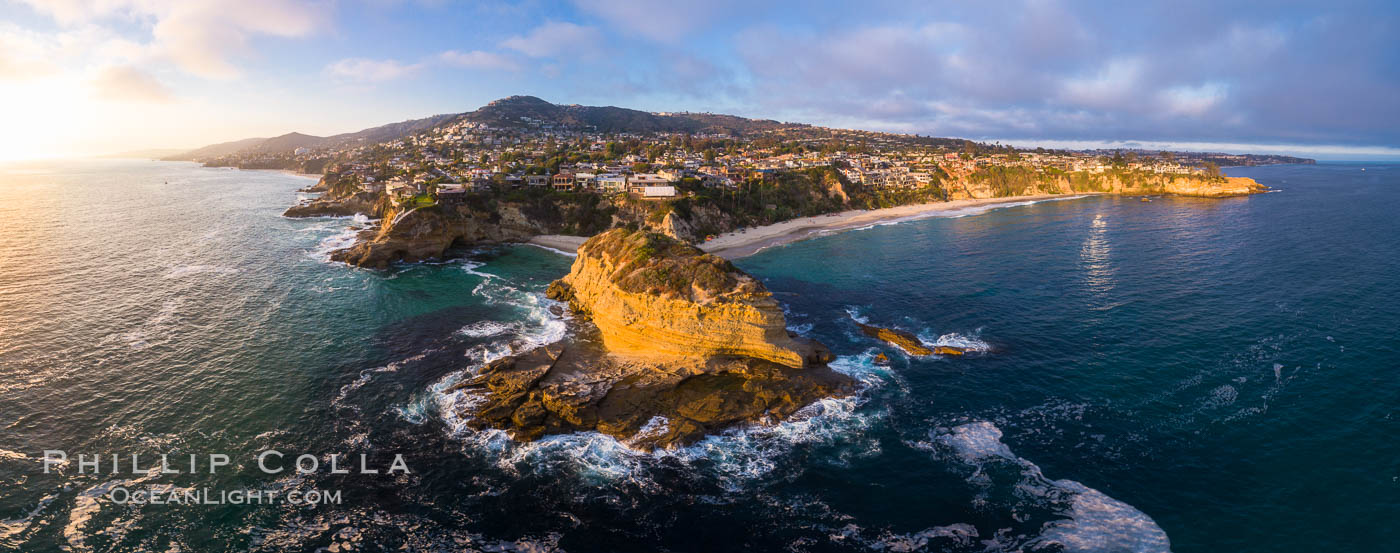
column 670, row 344
column 906, row 341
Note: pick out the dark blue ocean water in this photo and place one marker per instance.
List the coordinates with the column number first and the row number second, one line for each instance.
column 1199, row 375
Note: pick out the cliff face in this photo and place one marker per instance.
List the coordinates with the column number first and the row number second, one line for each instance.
column 994, row 183
column 653, row 296
column 426, row 233
column 680, row 345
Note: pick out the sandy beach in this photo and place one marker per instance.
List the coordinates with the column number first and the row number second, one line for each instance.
column 734, row 245
column 561, row 242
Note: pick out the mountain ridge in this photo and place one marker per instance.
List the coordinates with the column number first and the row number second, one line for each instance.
column 505, row 113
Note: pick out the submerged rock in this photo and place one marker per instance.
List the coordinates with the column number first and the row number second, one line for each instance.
column 948, row 350
column 677, row 344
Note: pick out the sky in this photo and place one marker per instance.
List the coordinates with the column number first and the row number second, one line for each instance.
column 1320, row 79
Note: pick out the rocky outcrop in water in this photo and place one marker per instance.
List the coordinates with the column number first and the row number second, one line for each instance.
column 368, row 204
column 906, row 341
column 899, row 338
column 426, row 233
column 674, row 344
column 653, row 296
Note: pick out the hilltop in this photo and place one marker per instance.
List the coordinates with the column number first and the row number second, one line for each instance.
column 506, row 113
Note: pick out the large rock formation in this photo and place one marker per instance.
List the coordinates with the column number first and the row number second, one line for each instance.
column 327, row 206
column 654, row 296
column 681, row 344
column 426, row 233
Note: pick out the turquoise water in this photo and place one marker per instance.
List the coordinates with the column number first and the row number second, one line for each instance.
column 1193, row 375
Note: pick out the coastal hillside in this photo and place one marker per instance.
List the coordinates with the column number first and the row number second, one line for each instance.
column 1002, row 182
column 522, row 111
column 510, row 112
column 427, row 230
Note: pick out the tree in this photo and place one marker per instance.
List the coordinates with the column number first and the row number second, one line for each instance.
column 1212, row 169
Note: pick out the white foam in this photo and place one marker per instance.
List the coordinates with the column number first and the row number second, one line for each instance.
column 333, row 243
column 484, row 329
column 975, row 441
column 735, row 457
column 555, row 250
column 367, row 374
column 800, row 329
column 1092, row 521
column 964, row 211
column 1098, row 522
column 960, row 534
column 956, row 340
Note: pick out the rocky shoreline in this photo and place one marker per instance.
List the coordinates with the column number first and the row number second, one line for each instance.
column 669, row 345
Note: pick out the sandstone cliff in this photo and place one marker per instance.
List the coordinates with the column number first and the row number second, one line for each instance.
column 1003, row 182
column 426, row 233
column 653, row 296
column 672, row 345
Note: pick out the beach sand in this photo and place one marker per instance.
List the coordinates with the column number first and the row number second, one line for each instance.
column 733, row 245
column 561, row 242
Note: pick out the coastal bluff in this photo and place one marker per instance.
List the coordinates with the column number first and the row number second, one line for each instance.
column 651, row 295
column 668, row 345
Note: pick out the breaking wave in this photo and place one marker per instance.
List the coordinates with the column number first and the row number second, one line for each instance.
column 1085, row 520
column 953, row 339
column 734, row 457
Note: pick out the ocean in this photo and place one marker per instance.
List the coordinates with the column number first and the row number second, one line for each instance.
column 1181, row 374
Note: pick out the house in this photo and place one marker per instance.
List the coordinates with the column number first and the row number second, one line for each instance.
column 451, row 193
column 587, row 181
column 368, row 184
column 563, row 181
column 658, row 192
column 400, row 190
column 636, row 183
column 536, row 180
column 612, row 182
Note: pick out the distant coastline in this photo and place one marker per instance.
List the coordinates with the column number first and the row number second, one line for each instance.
column 737, row 244
column 734, row 245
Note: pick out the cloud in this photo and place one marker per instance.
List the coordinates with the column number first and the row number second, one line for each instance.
column 368, row 70
column 477, row 59
column 129, row 84
column 203, row 37
column 24, row 56
column 558, row 39
column 1201, row 71
column 668, row 22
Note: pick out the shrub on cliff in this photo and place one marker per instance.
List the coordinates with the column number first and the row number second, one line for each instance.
column 648, row 262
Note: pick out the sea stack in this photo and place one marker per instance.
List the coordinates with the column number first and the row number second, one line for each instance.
column 670, row 344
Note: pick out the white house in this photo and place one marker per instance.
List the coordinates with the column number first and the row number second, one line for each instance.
column 659, row 192
column 612, row 182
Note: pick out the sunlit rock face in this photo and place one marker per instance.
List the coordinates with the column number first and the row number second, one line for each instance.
column 651, row 296
column 670, row 344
